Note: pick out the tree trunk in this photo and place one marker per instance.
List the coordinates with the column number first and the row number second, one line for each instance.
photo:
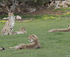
column 8, row 27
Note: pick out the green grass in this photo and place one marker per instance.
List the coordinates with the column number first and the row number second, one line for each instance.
column 56, row 44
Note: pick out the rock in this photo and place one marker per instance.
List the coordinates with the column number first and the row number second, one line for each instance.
column 5, row 18
column 18, row 17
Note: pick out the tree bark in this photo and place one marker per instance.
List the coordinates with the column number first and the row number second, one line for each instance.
column 8, row 27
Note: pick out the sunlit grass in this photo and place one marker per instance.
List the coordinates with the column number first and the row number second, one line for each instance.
column 2, row 20
column 55, row 44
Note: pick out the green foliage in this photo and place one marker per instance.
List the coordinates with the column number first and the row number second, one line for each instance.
column 38, row 2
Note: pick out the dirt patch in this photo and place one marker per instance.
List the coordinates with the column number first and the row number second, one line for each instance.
column 41, row 12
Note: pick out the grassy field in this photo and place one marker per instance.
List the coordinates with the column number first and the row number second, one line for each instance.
column 55, row 44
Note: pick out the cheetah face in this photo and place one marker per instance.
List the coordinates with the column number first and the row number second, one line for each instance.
column 30, row 40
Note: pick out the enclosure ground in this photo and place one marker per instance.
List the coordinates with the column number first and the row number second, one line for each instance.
column 55, row 44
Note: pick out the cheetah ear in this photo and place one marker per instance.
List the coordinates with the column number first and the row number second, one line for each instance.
column 34, row 36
